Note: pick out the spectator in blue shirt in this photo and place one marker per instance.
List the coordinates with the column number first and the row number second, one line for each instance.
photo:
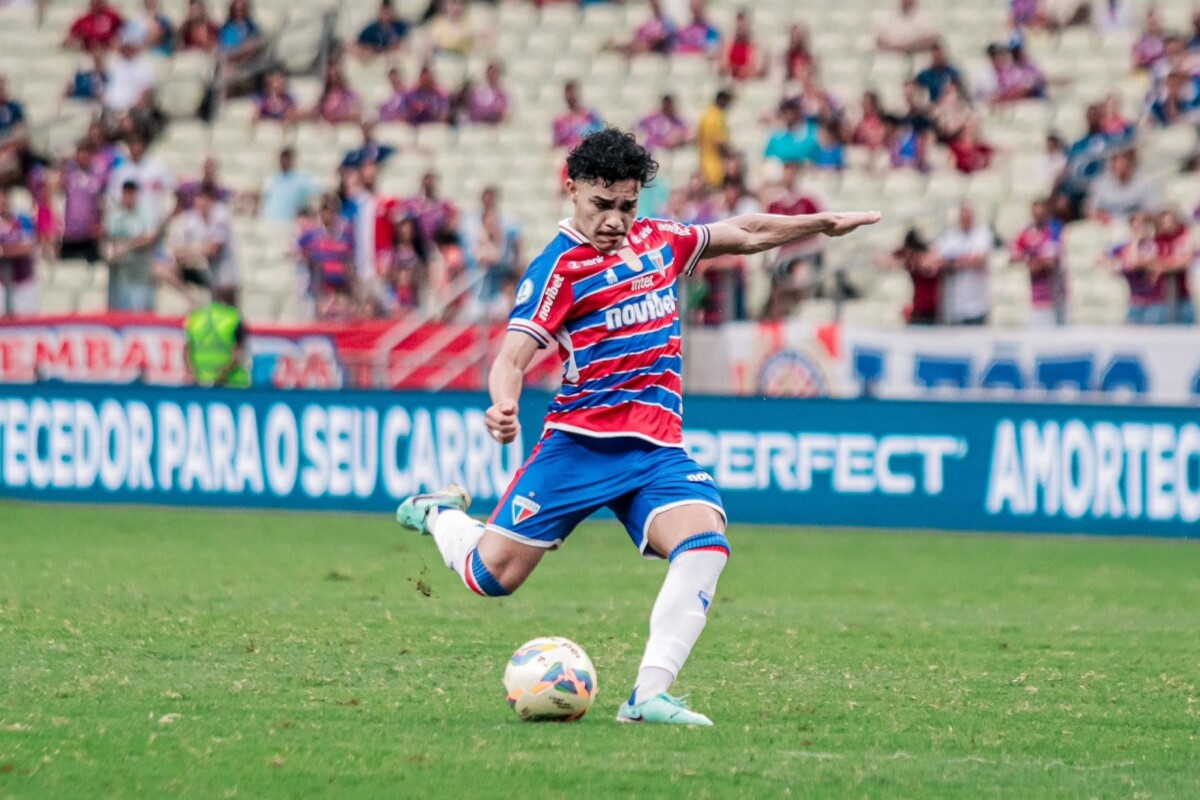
column 939, row 74
column 795, row 141
column 1177, row 101
column 239, row 27
column 828, row 152
column 88, row 83
column 385, row 34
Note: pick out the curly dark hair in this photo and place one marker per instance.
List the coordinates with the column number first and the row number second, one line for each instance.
column 609, row 156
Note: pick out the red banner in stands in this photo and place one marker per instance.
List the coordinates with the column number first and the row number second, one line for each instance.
column 145, row 348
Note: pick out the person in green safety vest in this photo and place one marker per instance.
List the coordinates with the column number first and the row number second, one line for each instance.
column 216, row 342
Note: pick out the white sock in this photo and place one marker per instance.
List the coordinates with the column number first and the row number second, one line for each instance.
column 678, row 619
column 456, row 535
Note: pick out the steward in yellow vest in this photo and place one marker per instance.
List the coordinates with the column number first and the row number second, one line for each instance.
column 216, row 342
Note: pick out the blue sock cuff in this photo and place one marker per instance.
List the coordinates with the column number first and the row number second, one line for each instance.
column 482, row 581
column 702, row 541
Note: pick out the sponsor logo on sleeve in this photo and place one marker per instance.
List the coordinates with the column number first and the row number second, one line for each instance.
column 524, row 291
column 551, row 296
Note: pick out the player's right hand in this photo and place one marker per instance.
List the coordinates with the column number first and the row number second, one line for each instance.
column 502, row 421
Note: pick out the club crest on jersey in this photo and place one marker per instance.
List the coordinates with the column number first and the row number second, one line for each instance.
column 523, row 508
column 656, row 259
column 610, row 276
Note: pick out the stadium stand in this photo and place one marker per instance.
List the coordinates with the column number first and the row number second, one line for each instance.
column 986, row 101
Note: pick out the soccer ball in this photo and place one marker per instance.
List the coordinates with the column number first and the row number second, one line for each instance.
column 550, row 680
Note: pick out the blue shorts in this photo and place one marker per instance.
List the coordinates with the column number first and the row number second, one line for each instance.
column 568, row 478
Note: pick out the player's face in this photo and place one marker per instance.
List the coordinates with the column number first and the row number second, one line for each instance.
column 604, row 214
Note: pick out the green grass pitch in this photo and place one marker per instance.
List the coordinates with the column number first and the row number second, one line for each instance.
column 184, row 653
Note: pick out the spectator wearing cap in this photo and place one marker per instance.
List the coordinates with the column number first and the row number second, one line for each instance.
column 96, row 27
column 1122, row 190
column 487, row 104
column 384, row 34
column 129, row 82
column 132, row 235
column 700, row 36
column 18, row 275
column 905, row 30
column 713, row 140
column 577, row 122
column 83, row 185
column 963, row 252
column 198, row 31
column 287, row 192
column 664, row 129
column 426, row 101
column 275, row 101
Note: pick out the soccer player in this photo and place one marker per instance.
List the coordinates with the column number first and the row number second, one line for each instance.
column 604, row 291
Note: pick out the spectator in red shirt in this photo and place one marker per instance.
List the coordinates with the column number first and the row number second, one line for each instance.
column 664, row 129
column 742, row 60
column 968, row 151
column 869, row 131
column 798, row 59
column 198, row 31
column 96, row 27
column 916, row 258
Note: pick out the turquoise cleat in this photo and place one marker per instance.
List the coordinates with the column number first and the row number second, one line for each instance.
column 412, row 512
column 663, row 708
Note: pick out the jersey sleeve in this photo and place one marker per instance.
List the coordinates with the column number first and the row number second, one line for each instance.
column 688, row 243
column 544, row 299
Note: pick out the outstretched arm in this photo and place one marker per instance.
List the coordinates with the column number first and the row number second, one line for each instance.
column 753, row 233
column 504, row 384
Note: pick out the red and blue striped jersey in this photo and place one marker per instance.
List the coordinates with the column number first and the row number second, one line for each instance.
column 616, row 321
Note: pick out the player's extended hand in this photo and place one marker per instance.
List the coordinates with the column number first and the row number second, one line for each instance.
column 502, row 421
column 844, row 223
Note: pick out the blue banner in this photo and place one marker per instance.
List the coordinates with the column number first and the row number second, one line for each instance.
column 895, row 464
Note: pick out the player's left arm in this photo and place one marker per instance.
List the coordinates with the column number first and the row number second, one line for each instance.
column 747, row 234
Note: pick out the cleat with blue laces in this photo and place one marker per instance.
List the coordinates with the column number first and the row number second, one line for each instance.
column 414, row 511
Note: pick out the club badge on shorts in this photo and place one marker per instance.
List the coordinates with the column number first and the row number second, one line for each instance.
column 523, row 508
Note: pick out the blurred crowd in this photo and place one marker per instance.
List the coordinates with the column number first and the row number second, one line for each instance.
column 364, row 253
